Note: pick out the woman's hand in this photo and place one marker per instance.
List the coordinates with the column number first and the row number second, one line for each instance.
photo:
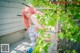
column 47, row 39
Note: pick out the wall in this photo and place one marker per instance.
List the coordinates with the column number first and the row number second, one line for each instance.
column 9, row 21
column 11, row 25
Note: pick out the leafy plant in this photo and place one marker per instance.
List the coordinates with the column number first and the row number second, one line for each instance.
column 62, row 13
column 42, row 46
column 68, row 51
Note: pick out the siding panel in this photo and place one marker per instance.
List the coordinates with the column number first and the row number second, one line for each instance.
column 9, row 15
column 12, row 5
column 7, row 26
column 7, row 31
column 14, row 1
column 10, row 10
column 9, row 21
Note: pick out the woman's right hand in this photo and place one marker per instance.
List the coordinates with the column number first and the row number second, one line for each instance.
column 47, row 39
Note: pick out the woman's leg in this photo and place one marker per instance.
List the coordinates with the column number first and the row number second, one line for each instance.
column 32, row 38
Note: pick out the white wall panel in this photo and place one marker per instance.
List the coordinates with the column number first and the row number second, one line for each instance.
column 10, row 4
column 9, row 21
column 8, row 31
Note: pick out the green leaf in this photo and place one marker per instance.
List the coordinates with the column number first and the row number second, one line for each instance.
column 61, row 35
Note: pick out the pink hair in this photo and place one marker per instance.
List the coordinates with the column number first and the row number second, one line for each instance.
column 26, row 19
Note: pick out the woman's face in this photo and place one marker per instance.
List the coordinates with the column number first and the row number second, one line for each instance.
column 28, row 12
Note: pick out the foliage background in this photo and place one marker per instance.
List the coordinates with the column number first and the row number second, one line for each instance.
column 65, row 14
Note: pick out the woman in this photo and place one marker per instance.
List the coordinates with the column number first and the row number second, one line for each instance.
column 31, row 22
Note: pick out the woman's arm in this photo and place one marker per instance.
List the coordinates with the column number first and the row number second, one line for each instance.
column 36, row 22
